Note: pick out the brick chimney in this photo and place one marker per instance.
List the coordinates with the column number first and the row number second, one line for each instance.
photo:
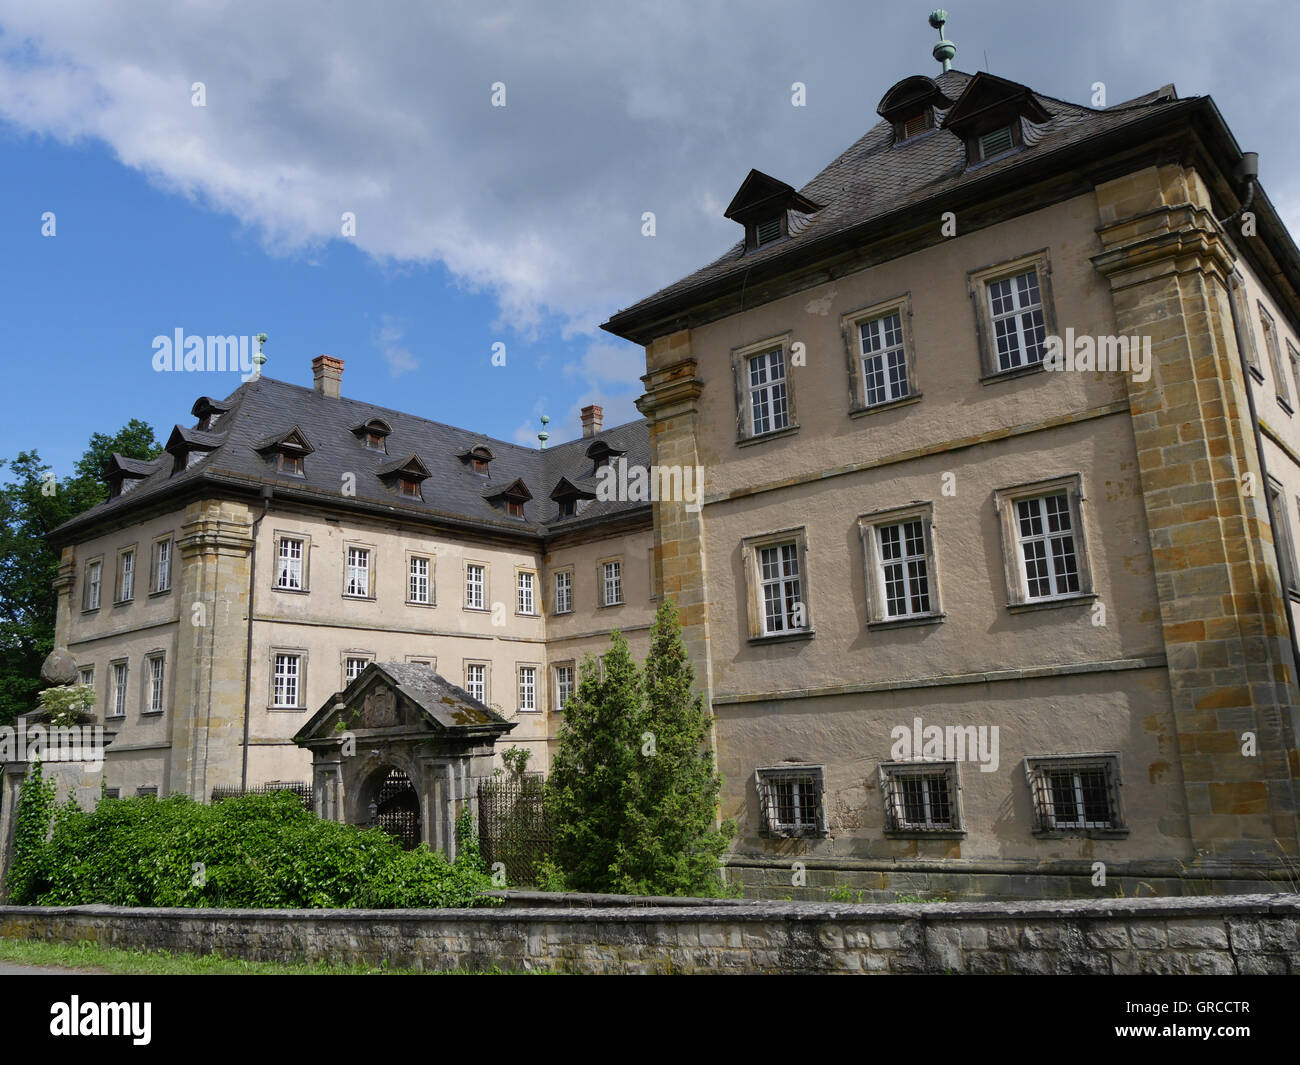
column 593, row 417
column 327, row 375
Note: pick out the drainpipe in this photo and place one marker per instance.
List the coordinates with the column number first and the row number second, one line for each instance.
column 267, row 493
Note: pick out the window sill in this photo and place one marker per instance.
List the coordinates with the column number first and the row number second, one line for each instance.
column 862, row 412
column 416, row 602
column 521, row 614
column 561, row 613
column 906, row 623
column 292, row 591
column 784, row 637
column 123, row 602
column 152, row 713
column 160, row 592
column 1084, row 833
column 90, row 610
column 1007, row 375
column 1257, row 374
column 1286, row 406
column 603, row 606
column 361, row 598
column 1049, row 604
column 925, row 833
column 794, row 833
column 477, row 609
column 286, row 709
column 746, row 441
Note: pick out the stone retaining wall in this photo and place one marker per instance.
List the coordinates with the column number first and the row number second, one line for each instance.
column 1248, row 934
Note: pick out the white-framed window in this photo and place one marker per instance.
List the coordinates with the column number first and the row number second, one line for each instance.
column 920, row 797
column 287, row 680
column 790, row 800
column 1274, row 348
column 1075, row 794
column 126, row 575
column 781, row 588
column 475, row 580
column 1044, row 541
column 564, row 592
column 902, row 575
column 527, row 688
column 86, row 676
column 117, row 693
column 526, row 597
column 611, row 582
column 418, row 585
column 162, row 565
column 157, row 664
column 94, row 580
column 766, row 392
column 353, row 667
column 564, row 684
column 1016, row 313
column 289, row 567
column 476, row 680
column 883, row 362
column 357, row 581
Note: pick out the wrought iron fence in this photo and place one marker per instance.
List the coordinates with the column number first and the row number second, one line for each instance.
column 299, row 787
column 513, row 827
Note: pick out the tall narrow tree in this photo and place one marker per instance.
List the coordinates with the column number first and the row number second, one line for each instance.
column 670, row 843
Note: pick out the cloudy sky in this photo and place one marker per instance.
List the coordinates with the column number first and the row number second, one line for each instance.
column 475, row 225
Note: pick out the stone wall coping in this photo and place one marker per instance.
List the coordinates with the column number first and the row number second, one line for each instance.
column 714, row 910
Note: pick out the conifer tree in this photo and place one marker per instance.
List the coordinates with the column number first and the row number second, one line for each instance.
column 586, row 790
column 669, row 844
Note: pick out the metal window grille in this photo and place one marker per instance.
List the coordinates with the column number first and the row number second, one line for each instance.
column 563, row 684
column 358, row 576
column 791, row 801
column 526, row 602
column 1018, row 326
column 527, row 688
column 768, row 405
column 119, row 689
column 112, row 793
column 287, row 670
column 563, row 593
column 904, row 569
column 147, row 791
column 474, row 587
column 884, row 361
column 476, row 681
column 1047, row 548
column 300, row 788
column 156, row 666
column 419, row 586
column 613, row 583
column 163, row 565
column 918, row 800
column 1075, row 795
column 779, row 578
column 289, row 569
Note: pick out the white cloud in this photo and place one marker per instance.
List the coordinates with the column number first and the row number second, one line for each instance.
column 388, row 338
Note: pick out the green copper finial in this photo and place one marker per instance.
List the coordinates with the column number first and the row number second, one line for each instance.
column 544, row 436
column 258, row 357
column 945, row 49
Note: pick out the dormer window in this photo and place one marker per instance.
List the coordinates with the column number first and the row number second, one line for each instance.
column 509, row 497
column 990, row 116
column 568, row 507
column 373, row 434
column 287, row 451
column 124, row 474
column 515, row 508
column 405, row 476
column 189, row 447
column 909, row 106
column 763, row 205
column 601, row 452
column 477, row 459
column 570, row 498
column 208, row 411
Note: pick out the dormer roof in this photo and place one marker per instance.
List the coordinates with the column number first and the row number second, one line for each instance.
column 989, row 101
column 514, row 490
column 761, row 195
column 411, row 467
column 910, row 96
column 291, row 440
column 580, row 489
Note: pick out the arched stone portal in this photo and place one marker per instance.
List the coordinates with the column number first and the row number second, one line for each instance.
column 402, row 748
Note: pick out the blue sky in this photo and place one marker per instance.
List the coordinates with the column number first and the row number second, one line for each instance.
column 475, row 225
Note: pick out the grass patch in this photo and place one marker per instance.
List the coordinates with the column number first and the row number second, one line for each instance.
column 166, row 963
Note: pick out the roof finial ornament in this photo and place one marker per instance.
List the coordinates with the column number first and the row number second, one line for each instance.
column 945, row 49
column 544, row 436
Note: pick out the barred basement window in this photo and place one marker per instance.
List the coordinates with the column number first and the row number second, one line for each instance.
column 1074, row 795
column 112, row 793
column 790, row 800
column 920, row 797
column 147, row 791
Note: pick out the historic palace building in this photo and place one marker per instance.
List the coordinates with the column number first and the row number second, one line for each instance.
column 994, row 584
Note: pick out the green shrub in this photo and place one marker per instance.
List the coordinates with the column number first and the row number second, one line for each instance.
column 250, row 851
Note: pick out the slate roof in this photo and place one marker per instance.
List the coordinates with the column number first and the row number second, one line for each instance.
column 265, row 408
column 874, row 177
